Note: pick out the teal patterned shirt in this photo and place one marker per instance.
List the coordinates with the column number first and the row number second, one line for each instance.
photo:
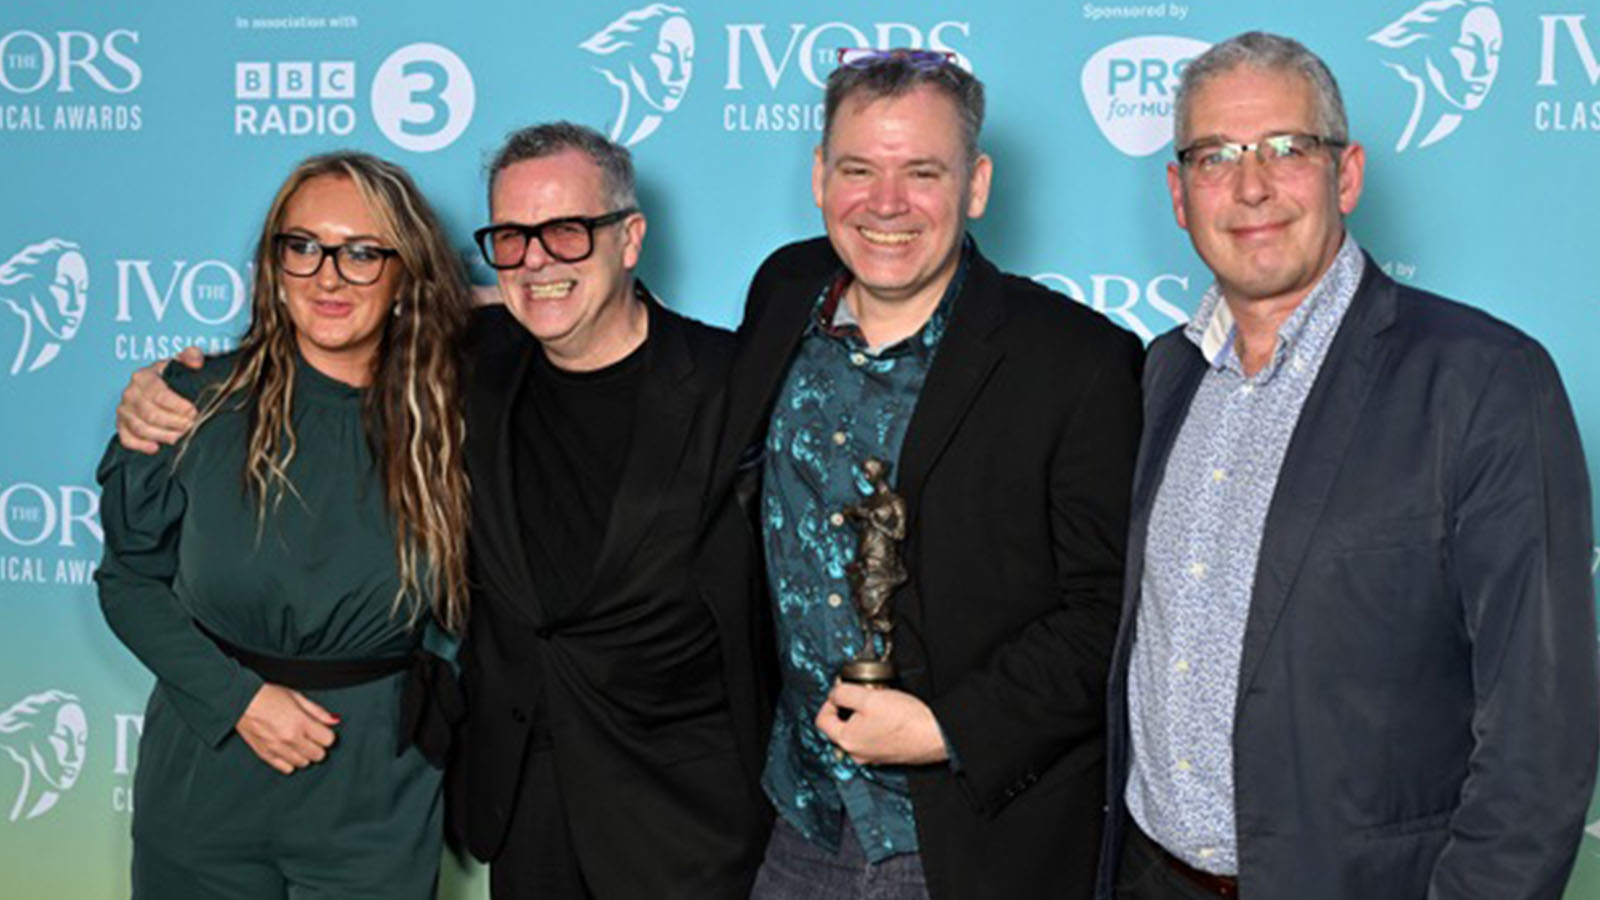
column 841, row 402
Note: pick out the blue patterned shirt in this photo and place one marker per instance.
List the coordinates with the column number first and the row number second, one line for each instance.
column 841, row 403
column 1200, row 564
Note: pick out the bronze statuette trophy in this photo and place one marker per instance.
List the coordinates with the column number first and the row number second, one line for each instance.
column 880, row 520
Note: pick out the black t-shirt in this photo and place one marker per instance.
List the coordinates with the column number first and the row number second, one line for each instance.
column 573, row 431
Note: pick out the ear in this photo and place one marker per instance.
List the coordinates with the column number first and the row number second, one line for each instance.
column 1352, row 175
column 819, row 172
column 633, row 229
column 978, row 186
column 1175, row 188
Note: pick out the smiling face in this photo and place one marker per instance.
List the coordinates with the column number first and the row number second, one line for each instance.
column 671, row 64
column 895, row 193
column 574, row 309
column 1265, row 236
column 1464, row 78
column 338, row 325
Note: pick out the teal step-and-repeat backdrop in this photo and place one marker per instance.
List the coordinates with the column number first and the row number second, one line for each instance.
column 140, row 144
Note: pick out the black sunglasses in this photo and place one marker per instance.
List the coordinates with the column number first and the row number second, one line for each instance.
column 569, row 239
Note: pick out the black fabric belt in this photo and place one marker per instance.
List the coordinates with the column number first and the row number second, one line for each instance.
column 431, row 703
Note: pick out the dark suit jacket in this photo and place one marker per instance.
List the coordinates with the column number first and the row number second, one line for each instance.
column 658, row 774
column 1417, row 697
column 1016, row 469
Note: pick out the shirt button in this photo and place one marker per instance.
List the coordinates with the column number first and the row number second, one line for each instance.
column 838, row 754
column 1207, row 852
column 1198, row 570
column 858, row 359
column 1248, row 389
column 1181, row 665
column 1219, row 475
column 836, row 519
column 834, row 600
column 1184, row 766
column 839, row 438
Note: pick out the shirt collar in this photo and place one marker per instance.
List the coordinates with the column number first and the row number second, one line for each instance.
column 1213, row 328
column 835, row 319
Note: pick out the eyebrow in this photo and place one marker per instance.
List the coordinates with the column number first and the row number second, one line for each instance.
column 372, row 238
column 918, row 162
column 1224, row 139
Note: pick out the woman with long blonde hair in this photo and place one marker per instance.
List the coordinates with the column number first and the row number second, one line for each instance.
column 279, row 568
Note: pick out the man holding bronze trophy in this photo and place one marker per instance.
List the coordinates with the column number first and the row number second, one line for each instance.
column 944, row 454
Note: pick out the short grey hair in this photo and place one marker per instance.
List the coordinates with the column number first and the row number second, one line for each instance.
column 1269, row 52
column 550, row 138
column 895, row 77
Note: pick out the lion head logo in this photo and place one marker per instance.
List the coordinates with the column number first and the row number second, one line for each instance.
column 47, row 736
column 47, row 286
column 1449, row 52
column 649, row 55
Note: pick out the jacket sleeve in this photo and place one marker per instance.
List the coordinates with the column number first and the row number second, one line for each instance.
column 141, row 509
column 1041, row 697
column 1521, row 535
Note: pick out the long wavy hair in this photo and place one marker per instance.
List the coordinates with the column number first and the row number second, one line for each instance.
column 412, row 408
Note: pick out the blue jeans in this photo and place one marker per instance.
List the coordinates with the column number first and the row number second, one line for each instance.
column 796, row 869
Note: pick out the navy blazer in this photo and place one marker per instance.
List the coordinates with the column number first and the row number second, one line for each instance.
column 1418, row 693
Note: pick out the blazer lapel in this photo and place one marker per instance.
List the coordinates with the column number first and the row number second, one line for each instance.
column 1166, row 408
column 961, row 365
column 506, row 522
column 759, row 364
column 1316, row 451
column 662, row 420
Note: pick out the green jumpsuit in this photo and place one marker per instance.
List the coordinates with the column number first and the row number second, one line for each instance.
column 316, row 580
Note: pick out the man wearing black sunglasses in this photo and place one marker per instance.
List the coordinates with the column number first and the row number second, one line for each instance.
column 1008, row 416
column 614, row 702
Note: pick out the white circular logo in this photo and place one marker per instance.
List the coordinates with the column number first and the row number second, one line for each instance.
column 422, row 97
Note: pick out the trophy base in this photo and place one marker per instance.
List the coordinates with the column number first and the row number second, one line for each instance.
column 868, row 672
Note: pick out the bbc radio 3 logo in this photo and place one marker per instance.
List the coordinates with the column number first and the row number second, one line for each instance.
column 421, row 98
column 47, row 736
column 1129, row 87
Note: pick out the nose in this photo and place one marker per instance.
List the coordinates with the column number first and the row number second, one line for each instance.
column 534, row 256
column 1252, row 184
column 887, row 196
column 327, row 274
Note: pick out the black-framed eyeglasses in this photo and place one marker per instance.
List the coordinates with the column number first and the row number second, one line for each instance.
column 867, row 57
column 1213, row 160
column 358, row 262
column 569, row 239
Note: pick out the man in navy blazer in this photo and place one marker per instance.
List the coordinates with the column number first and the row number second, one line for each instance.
column 1357, row 650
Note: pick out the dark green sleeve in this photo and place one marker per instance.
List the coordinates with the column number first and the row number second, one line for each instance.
column 141, row 509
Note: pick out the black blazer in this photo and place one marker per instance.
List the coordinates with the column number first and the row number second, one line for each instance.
column 1417, row 710
column 1016, row 469
column 659, row 776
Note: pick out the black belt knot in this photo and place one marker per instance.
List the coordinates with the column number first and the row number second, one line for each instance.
column 431, row 702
